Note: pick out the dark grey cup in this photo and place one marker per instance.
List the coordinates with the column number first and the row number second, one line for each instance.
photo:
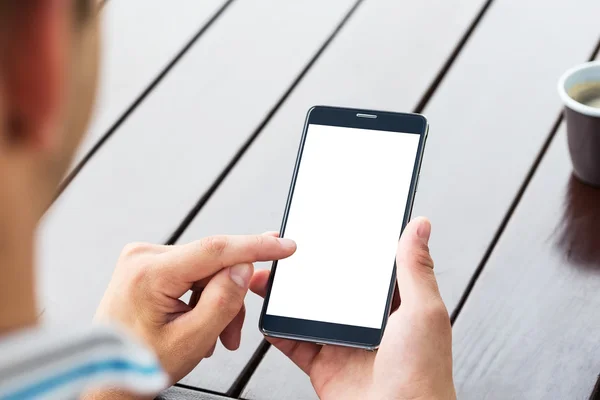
column 583, row 122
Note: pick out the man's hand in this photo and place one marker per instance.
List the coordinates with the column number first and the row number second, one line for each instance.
column 414, row 360
column 149, row 280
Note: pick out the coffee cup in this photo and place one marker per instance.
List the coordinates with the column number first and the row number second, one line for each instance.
column 579, row 89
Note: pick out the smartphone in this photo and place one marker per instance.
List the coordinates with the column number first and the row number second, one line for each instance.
column 352, row 192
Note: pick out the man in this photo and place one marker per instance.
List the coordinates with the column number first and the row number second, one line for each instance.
column 48, row 61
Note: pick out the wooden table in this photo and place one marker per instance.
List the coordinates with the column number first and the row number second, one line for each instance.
column 196, row 129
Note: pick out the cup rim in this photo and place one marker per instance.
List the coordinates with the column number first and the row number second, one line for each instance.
column 568, row 100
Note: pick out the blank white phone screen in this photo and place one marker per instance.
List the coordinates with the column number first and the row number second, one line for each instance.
column 346, row 214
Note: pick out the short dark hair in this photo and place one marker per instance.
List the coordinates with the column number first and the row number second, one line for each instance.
column 83, row 9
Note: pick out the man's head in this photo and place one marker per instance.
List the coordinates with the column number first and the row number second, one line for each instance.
column 48, row 68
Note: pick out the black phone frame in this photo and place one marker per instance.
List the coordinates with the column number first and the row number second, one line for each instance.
column 325, row 332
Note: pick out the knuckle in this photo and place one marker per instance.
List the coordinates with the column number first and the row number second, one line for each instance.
column 227, row 304
column 137, row 264
column 135, row 249
column 142, row 275
column 437, row 314
column 422, row 256
column 214, row 245
column 259, row 241
column 256, row 244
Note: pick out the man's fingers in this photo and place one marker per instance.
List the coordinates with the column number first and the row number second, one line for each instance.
column 195, row 261
column 258, row 283
column 221, row 301
column 416, row 280
column 232, row 334
column 201, row 284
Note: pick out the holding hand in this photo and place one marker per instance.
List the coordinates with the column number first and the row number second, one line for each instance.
column 414, row 360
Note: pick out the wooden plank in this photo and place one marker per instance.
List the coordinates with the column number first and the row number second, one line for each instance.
column 489, row 119
column 529, row 329
column 253, row 196
column 144, row 180
column 177, row 393
column 138, row 43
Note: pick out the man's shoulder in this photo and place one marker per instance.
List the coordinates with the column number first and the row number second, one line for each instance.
column 62, row 362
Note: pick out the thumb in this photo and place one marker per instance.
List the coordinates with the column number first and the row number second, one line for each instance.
column 221, row 300
column 414, row 266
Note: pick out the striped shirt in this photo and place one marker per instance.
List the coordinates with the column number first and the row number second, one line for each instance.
column 44, row 363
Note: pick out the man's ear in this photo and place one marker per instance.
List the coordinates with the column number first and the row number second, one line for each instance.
column 34, row 48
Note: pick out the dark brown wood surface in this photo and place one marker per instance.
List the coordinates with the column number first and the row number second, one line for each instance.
column 531, row 327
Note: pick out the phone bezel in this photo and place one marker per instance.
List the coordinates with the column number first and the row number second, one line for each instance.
column 332, row 333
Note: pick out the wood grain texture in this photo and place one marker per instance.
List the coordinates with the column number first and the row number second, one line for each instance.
column 139, row 39
column 142, row 183
column 489, row 119
column 176, row 393
column 391, row 71
column 530, row 328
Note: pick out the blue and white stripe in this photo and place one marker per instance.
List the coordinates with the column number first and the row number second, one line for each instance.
column 45, row 364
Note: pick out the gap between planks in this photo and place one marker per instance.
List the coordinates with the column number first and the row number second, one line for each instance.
column 199, row 390
column 88, row 156
column 595, row 395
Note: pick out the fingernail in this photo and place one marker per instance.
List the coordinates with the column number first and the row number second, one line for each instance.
column 241, row 274
column 287, row 244
column 424, row 229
